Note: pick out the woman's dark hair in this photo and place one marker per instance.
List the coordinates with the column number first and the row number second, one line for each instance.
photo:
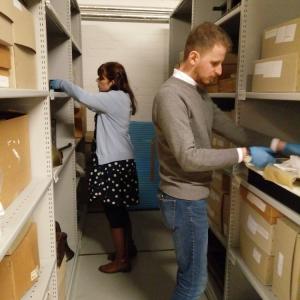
column 116, row 72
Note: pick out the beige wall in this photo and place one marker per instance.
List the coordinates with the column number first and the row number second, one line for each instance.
column 141, row 47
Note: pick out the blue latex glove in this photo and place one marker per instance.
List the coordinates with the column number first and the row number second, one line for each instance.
column 291, row 149
column 54, row 84
column 261, row 156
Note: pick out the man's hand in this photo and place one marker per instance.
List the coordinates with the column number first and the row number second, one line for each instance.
column 54, row 84
column 261, row 156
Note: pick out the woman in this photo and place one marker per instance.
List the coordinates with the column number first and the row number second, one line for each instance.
column 113, row 177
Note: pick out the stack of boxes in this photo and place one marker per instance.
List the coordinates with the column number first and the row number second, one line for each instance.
column 279, row 66
column 17, row 46
column 270, row 246
column 227, row 81
column 257, row 232
column 218, row 205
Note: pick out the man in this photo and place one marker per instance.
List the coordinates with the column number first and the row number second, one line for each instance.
column 184, row 116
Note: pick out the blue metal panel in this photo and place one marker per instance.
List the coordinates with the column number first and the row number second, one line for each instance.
column 142, row 134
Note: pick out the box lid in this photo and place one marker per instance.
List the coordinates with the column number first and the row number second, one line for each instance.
column 7, row 9
column 23, row 27
column 6, row 36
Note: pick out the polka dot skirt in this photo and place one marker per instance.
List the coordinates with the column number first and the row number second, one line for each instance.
column 115, row 183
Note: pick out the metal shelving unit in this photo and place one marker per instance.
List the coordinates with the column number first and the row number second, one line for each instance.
column 272, row 114
column 43, row 201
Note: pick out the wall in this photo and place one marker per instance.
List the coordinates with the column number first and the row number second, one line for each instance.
column 143, row 50
column 141, row 47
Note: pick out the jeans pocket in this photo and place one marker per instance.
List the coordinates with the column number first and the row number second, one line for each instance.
column 167, row 207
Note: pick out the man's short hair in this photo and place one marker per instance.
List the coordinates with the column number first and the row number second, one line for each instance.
column 204, row 37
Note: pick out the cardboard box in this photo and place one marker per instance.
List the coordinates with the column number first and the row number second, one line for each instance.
column 61, row 275
column 5, row 62
column 227, row 85
column 24, row 48
column 277, row 74
column 25, row 67
column 281, row 39
column 219, row 142
column 7, row 9
column 221, row 181
column 226, row 215
column 259, row 262
column 15, row 171
column 269, row 213
column 79, row 119
column 214, row 88
column 215, row 206
column 20, row 270
column 6, row 32
column 229, row 65
column 257, row 228
column 4, row 79
column 286, row 275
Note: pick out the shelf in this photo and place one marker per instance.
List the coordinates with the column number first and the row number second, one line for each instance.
column 218, row 234
column 292, row 215
column 40, row 288
column 75, row 47
column 66, row 156
column 229, row 15
column 295, row 190
column 18, row 213
column 22, row 93
column 265, row 292
column 222, row 95
column 58, row 95
column 274, row 96
column 54, row 25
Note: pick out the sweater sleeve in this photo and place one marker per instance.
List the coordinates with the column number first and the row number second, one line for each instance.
column 238, row 135
column 101, row 102
column 171, row 118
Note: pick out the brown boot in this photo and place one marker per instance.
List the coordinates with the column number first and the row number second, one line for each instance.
column 129, row 243
column 121, row 262
column 116, row 266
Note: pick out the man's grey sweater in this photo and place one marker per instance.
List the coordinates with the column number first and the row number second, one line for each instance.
column 113, row 110
column 184, row 116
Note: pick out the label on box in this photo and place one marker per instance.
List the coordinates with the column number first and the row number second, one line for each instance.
column 269, row 69
column 280, row 264
column 270, row 33
column 257, row 202
column 254, row 227
column 17, row 5
column 286, row 34
column 4, row 81
column 34, row 274
column 256, row 255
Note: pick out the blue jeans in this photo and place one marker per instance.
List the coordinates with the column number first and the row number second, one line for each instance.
column 188, row 222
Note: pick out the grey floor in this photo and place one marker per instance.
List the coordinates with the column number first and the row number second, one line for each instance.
column 154, row 269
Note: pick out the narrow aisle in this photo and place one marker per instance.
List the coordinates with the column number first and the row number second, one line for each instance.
column 154, row 269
